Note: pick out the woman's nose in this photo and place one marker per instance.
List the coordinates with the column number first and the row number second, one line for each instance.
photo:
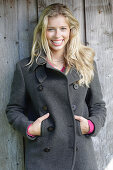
column 57, row 33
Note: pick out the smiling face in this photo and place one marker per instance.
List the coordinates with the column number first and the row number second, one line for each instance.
column 57, row 33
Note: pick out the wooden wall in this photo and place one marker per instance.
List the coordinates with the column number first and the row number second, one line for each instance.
column 17, row 21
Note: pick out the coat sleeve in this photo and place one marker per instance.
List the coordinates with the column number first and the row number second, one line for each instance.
column 15, row 109
column 96, row 105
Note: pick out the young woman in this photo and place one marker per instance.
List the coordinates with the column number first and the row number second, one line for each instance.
column 56, row 101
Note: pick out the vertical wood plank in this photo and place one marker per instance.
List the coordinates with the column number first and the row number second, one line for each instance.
column 99, row 34
column 11, row 154
column 78, row 11
column 23, row 24
column 27, row 19
column 33, row 19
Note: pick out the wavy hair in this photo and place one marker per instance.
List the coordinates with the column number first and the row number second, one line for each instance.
column 77, row 55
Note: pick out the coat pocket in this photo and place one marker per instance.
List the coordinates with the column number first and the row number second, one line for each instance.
column 78, row 128
column 43, row 128
column 47, row 127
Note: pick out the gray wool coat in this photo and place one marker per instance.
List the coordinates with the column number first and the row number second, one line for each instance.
column 43, row 89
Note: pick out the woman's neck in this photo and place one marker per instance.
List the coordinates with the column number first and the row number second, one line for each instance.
column 58, row 63
column 57, row 59
column 57, row 56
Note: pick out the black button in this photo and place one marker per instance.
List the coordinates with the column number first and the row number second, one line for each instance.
column 40, row 87
column 44, row 108
column 50, row 128
column 47, row 150
column 75, row 86
column 74, row 107
column 76, row 148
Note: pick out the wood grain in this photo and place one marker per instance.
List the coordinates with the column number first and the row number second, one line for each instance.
column 99, row 35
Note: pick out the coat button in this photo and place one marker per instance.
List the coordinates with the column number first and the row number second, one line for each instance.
column 44, row 108
column 47, row 150
column 75, row 86
column 50, row 128
column 73, row 107
column 40, row 87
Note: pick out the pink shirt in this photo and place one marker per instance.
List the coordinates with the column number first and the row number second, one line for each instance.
column 91, row 126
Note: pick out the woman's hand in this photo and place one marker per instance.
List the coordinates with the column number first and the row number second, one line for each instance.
column 35, row 128
column 83, row 124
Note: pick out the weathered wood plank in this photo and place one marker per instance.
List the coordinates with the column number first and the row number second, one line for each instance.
column 27, row 19
column 33, row 19
column 99, row 34
column 78, row 11
column 11, row 154
column 23, row 27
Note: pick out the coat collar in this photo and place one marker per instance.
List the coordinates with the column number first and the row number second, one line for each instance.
column 72, row 76
column 40, row 61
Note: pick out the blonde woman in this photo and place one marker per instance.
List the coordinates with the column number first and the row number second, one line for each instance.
column 56, row 101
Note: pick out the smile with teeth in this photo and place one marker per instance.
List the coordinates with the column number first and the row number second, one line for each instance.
column 57, row 42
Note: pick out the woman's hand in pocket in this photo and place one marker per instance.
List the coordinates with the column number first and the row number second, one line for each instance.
column 83, row 124
column 35, row 128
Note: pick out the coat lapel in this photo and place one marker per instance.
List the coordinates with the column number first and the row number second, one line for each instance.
column 39, row 67
column 41, row 74
column 73, row 76
column 39, row 62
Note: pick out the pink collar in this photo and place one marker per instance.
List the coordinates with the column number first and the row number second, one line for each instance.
column 63, row 68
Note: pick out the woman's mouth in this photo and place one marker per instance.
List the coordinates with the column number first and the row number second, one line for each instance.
column 57, row 42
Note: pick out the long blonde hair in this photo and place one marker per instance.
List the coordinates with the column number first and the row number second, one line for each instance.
column 77, row 55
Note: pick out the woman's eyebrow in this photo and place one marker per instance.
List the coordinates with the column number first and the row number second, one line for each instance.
column 55, row 27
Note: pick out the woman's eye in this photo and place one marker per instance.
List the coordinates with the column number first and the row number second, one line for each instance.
column 50, row 29
column 53, row 29
column 63, row 28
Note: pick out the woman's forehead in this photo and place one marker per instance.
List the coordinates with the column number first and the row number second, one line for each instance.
column 57, row 20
